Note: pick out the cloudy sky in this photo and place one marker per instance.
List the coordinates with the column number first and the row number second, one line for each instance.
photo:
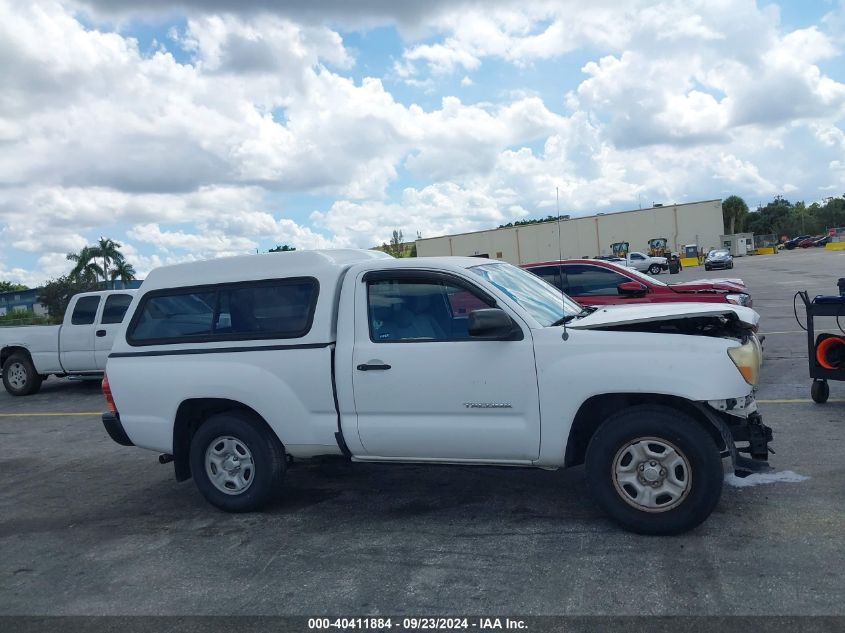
column 203, row 128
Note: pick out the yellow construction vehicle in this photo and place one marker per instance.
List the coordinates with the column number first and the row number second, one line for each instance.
column 657, row 247
column 619, row 249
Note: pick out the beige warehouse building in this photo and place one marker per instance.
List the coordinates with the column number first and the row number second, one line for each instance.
column 690, row 223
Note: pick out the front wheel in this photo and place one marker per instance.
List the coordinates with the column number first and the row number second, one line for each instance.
column 820, row 391
column 654, row 470
column 19, row 376
column 237, row 462
column 731, row 265
column 654, row 269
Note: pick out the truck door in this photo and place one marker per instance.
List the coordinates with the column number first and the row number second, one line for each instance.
column 114, row 310
column 423, row 388
column 77, row 335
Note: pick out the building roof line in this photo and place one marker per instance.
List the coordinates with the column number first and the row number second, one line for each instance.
column 571, row 219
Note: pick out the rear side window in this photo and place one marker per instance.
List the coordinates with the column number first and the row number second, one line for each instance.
column 583, row 280
column 229, row 312
column 115, row 308
column 85, row 311
column 279, row 310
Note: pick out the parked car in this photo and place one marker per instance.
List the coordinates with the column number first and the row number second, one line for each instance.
column 592, row 282
column 644, row 263
column 718, row 258
column 790, row 244
column 810, row 241
column 822, row 241
column 78, row 347
column 258, row 360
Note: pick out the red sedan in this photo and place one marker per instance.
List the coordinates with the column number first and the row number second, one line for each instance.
column 598, row 282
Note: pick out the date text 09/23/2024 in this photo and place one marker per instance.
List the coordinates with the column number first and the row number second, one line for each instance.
column 416, row 624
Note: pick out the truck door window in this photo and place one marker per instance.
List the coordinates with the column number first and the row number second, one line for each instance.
column 584, row 280
column 115, row 308
column 85, row 311
column 419, row 310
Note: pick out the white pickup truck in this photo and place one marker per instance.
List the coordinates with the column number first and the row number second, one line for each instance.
column 646, row 264
column 80, row 346
column 232, row 368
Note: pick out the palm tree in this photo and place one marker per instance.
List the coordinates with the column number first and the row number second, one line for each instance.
column 108, row 250
column 85, row 269
column 123, row 270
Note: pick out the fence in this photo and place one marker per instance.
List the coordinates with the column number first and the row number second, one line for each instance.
column 837, row 234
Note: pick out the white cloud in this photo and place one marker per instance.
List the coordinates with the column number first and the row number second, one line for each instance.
column 677, row 100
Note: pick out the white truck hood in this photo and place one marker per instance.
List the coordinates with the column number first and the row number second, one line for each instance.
column 645, row 312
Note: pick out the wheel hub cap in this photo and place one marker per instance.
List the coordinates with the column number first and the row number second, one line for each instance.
column 651, row 474
column 16, row 375
column 229, row 465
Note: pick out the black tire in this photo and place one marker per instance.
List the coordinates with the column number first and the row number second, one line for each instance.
column 707, row 268
column 731, row 265
column 820, row 391
column 31, row 379
column 654, row 269
column 268, row 459
column 676, row 428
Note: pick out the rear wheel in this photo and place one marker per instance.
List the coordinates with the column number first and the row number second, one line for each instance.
column 19, row 375
column 654, row 269
column 236, row 461
column 654, row 470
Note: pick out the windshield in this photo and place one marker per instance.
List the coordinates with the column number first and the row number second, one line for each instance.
column 636, row 273
column 719, row 253
column 544, row 302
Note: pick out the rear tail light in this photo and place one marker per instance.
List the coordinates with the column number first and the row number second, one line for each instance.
column 107, row 393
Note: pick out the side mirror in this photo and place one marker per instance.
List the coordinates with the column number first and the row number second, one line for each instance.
column 492, row 324
column 631, row 289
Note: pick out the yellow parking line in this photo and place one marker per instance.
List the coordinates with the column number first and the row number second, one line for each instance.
column 796, row 401
column 47, row 415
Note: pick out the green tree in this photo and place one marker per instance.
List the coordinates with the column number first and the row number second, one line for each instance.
column 734, row 212
column 109, row 251
column 396, row 246
column 776, row 217
column 123, row 270
column 57, row 293
column 86, row 269
column 8, row 286
column 284, row 248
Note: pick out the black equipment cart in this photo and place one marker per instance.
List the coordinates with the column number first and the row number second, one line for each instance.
column 820, row 391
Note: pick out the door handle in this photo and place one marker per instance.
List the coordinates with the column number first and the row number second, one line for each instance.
column 373, row 367
column 100, row 333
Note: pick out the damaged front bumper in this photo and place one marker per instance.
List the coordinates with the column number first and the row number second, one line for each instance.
column 744, row 436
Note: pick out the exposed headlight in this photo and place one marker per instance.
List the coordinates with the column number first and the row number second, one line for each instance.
column 748, row 358
column 740, row 299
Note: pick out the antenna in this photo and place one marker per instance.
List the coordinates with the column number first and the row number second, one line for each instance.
column 559, row 267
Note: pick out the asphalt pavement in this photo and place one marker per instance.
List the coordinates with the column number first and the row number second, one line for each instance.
column 88, row 527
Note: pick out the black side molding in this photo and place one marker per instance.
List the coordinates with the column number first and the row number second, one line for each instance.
column 115, row 429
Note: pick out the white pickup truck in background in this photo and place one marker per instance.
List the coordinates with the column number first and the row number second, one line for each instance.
column 80, row 346
column 234, row 367
column 646, row 264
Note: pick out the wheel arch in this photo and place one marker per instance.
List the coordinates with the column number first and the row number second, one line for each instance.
column 597, row 409
column 190, row 415
column 9, row 350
